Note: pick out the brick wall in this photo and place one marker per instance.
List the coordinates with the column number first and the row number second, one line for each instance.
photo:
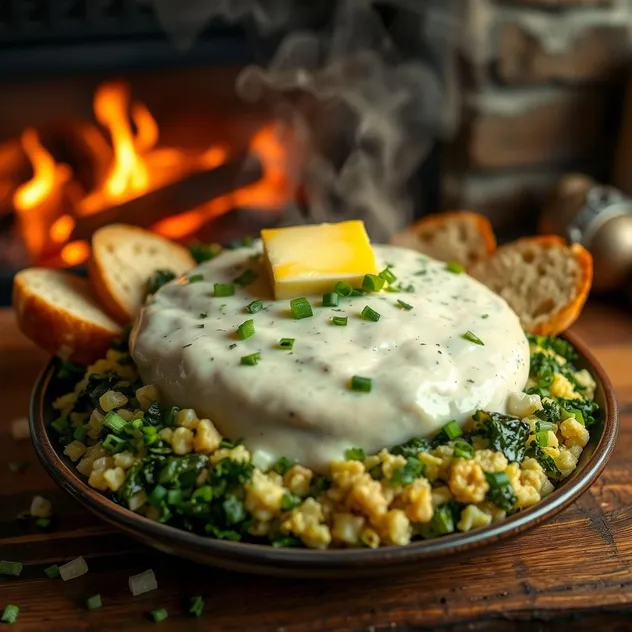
column 542, row 84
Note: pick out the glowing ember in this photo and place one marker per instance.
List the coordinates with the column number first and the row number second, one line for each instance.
column 75, row 252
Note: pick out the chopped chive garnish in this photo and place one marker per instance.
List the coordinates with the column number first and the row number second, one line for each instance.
column 373, row 282
column 159, row 615
column 157, row 495
column 223, row 289
column 232, row 346
column 356, row 292
column 93, row 602
column 282, row 465
column 286, row 343
column 370, row 314
column 196, row 278
column 52, row 572
column 114, row 422
column 246, row 277
column 80, row 433
column 114, row 444
column 301, row 308
column 60, row 425
column 355, row 454
column 252, row 359
column 543, row 438
column 331, row 299
column 388, row 276
column 254, row 307
column 452, row 430
column 485, row 316
column 408, row 473
column 579, row 416
column 343, row 288
column 10, row 568
column 203, row 315
column 497, row 479
column 442, row 521
column 544, row 425
column 246, row 329
column 196, row 607
column 463, row 450
column 10, row 614
column 455, row 267
column 289, row 501
column 43, row 523
column 361, row 384
column 340, row 321
column 403, row 305
column 203, row 494
column 18, row 466
column 468, row 335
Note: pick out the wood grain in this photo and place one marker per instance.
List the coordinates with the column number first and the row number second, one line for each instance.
column 571, row 572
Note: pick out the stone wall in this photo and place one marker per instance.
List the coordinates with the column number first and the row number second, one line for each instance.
column 541, row 95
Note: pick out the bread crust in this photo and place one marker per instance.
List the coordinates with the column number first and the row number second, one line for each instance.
column 56, row 330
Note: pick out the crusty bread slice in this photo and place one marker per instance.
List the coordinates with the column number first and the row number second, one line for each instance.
column 123, row 258
column 544, row 280
column 460, row 236
column 57, row 311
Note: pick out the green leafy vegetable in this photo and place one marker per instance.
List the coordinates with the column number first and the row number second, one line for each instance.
column 409, row 472
column 412, row 447
column 158, row 279
column 506, row 434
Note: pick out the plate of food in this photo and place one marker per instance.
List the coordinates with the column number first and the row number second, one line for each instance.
column 311, row 404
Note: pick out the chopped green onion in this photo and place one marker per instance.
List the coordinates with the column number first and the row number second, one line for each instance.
column 142, row 583
column 18, row 466
column 223, row 289
column 174, row 496
column 282, row 465
column 10, row 568
column 196, row 607
column 43, row 523
column 388, row 276
column 356, row 292
column 196, row 278
column 370, row 314
column 157, row 495
column 340, row 321
column 114, row 444
column 246, row 277
column 442, row 522
column 252, row 359
column 463, row 450
column 80, row 433
column 579, row 416
column 331, row 299
column 544, row 425
column 403, row 305
column 93, row 602
column 159, row 615
column 543, row 438
column 497, row 479
column 408, row 473
column 289, row 501
column 60, row 425
column 455, row 267
column 373, row 283
column 468, row 335
column 203, row 494
column 254, row 307
column 246, row 329
column 343, row 288
column 355, row 454
column 286, row 343
column 52, row 572
column 204, row 252
column 10, row 614
column 114, row 422
column 452, row 430
column 361, row 384
column 301, row 308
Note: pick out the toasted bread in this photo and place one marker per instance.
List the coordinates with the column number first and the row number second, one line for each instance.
column 123, row 258
column 544, row 280
column 57, row 311
column 460, row 236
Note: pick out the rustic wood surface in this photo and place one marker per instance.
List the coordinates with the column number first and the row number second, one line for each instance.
column 573, row 572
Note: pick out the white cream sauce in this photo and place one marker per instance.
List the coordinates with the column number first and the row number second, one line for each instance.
column 298, row 403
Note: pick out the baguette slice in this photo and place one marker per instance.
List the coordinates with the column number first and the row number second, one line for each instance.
column 544, row 280
column 123, row 258
column 57, row 311
column 460, row 236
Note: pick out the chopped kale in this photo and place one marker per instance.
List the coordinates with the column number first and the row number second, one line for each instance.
column 158, row 279
column 98, row 384
column 558, row 345
column 182, row 471
column 551, row 411
column 506, row 434
column 412, row 447
column 234, row 510
column 229, row 474
column 70, row 371
column 545, row 460
column 501, row 492
column 154, row 414
column 282, row 465
column 589, row 409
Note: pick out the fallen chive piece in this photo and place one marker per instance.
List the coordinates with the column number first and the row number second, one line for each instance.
column 286, row 343
column 370, row 314
column 197, row 606
column 159, row 615
column 254, row 307
column 246, row 329
column 341, row 321
column 403, row 305
column 223, row 289
column 196, row 278
column 10, row 568
column 246, row 277
column 10, row 614
column 455, row 267
column 468, row 335
column 543, row 438
column 361, row 384
column 355, row 454
column 497, row 479
column 343, row 288
column 43, row 523
column 358, row 292
column 80, row 433
column 388, row 276
column 301, row 308
column 60, row 425
column 93, row 602
column 52, row 572
column 114, row 422
column 463, row 450
column 545, row 425
column 203, row 315
column 251, row 360
column 373, row 283
column 114, row 444
column 452, row 430
column 18, row 466
column 485, row 316
column 331, row 299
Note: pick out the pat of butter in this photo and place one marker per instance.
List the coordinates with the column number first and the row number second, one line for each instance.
column 304, row 260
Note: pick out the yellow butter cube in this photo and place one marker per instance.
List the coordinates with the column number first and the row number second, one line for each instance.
column 304, row 260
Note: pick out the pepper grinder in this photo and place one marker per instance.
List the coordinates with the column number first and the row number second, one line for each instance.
column 599, row 217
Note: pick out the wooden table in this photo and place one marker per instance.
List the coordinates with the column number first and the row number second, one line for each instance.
column 571, row 572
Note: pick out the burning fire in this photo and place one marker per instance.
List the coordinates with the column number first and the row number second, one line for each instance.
column 48, row 216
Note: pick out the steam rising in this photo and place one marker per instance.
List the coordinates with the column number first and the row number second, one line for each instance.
column 365, row 114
